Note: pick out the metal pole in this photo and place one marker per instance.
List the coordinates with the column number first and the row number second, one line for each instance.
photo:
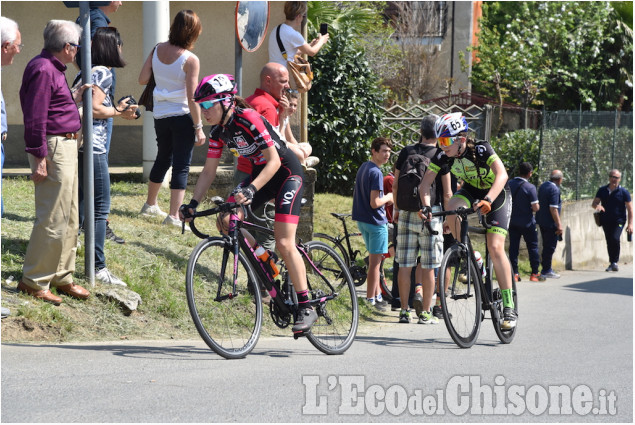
column 87, row 129
column 614, row 137
column 577, row 158
column 540, row 142
column 238, row 75
column 304, row 107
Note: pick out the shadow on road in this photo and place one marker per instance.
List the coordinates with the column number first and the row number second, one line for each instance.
column 614, row 285
column 178, row 352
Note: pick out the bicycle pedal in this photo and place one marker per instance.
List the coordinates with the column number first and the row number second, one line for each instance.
column 299, row 334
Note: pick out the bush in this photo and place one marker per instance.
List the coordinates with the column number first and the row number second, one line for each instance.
column 516, row 147
column 344, row 112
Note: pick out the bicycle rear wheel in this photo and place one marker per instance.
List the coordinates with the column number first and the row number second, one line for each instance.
column 358, row 271
column 497, row 311
column 335, row 329
column 461, row 302
column 228, row 321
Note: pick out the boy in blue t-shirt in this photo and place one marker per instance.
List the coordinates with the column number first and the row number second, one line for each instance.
column 369, row 212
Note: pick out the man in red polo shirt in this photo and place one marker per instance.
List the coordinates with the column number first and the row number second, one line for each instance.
column 269, row 101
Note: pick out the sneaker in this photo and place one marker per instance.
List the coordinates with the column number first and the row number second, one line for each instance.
column 404, row 316
column 536, row 277
column 550, row 275
column 152, row 211
column 5, row 312
column 437, row 312
column 381, row 306
column 509, row 319
column 612, row 267
column 306, row 319
column 312, row 161
column 426, row 318
column 462, row 277
column 104, row 277
column 169, row 220
column 111, row 235
column 417, row 303
column 517, row 277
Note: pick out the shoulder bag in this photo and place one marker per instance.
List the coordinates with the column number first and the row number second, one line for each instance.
column 147, row 99
column 299, row 68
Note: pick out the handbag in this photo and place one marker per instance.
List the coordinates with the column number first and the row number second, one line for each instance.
column 147, row 96
column 299, row 68
column 597, row 216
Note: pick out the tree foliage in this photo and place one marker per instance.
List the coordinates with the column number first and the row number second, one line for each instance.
column 345, row 100
column 344, row 111
column 562, row 54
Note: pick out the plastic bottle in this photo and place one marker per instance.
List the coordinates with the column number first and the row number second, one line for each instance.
column 479, row 261
column 268, row 259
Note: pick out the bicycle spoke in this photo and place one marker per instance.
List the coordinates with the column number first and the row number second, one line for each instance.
column 227, row 312
column 332, row 294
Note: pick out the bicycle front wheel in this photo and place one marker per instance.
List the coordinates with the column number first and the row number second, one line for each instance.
column 461, row 300
column 506, row 336
column 338, row 318
column 227, row 317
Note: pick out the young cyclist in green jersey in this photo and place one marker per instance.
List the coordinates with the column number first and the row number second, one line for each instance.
column 485, row 187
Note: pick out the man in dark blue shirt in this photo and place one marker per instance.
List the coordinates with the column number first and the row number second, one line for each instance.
column 614, row 201
column 524, row 205
column 548, row 218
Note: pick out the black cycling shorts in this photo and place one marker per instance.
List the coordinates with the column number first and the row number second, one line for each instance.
column 501, row 211
column 285, row 186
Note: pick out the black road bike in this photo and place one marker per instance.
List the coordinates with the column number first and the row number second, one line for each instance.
column 223, row 282
column 468, row 295
column 356, row 261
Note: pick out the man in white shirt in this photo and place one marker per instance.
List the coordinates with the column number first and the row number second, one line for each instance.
column 291, row 36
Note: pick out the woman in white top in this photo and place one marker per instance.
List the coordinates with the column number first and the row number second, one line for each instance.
column 291, row 37
column 177, row 118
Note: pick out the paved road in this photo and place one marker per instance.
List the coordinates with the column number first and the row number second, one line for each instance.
column 572, row 361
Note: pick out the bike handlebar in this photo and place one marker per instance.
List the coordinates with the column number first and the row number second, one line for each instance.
column 221, row 207
column 463, row 212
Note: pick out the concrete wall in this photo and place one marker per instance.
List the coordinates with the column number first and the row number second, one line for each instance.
column 215, row 49
column 583, row 245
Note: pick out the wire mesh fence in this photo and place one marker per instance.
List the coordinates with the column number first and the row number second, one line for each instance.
column 586, row 145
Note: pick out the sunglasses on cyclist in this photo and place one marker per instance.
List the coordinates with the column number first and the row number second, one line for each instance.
column 210, row 103
column 449, row 141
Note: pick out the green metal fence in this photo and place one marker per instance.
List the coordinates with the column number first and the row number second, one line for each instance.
column 586, row 145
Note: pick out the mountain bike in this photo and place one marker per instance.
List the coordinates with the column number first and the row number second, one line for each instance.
column 223, row 281
column 356, row 261
column 468, row 295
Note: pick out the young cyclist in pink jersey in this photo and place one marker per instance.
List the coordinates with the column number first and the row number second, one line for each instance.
column 276, row 173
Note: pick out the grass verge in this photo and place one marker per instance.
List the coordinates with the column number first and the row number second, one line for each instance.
column 152, row 262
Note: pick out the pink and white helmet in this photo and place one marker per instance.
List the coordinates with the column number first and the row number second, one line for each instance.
column 215, row 86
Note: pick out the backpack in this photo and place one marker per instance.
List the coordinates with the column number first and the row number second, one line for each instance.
column 410, row 176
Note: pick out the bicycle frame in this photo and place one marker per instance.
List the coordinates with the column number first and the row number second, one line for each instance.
column 237, row 241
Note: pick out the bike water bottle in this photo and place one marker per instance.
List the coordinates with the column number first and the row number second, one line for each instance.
column 479, row 261
column 267, row 258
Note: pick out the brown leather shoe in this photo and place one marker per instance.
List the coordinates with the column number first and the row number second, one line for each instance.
column 74, row 290
column 42, row 294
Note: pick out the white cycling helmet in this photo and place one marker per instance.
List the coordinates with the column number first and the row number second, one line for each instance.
column 449, row 125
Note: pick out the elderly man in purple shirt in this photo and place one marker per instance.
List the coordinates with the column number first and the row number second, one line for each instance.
column 51, row 123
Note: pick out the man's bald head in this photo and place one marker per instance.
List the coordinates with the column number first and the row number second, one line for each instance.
column 274, row 79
